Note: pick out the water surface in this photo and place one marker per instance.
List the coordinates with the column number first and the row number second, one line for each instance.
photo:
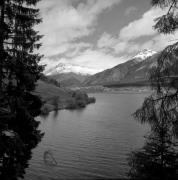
column 91, row 143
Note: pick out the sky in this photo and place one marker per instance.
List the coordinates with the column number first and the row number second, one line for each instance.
column 98, row 34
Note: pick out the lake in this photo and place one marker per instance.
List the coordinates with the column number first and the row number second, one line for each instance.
column 90, row 143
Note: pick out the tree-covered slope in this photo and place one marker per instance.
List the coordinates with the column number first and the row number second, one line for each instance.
column 55, row 97
column 134, row 70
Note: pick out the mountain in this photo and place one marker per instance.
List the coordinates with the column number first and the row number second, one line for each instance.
column 69, row 79
column 63, row 68
column 69, row 74
column 133, row 71
column 142, row 55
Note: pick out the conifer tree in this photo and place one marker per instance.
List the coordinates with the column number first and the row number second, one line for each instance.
column 158, row 159
column 19, row 72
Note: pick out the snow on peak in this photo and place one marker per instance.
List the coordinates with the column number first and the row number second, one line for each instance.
column 68, row 68
column 145, row 54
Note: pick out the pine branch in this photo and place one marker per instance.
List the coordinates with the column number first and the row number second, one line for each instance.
column 172, row 5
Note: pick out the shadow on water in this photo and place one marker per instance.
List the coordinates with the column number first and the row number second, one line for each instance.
column 49, row 158
column 44, row 116
column 78, row 111
column 55, row 115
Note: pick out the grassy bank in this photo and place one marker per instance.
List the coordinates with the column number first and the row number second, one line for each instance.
column 56, row 98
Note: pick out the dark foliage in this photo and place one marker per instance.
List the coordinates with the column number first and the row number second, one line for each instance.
column 158, row 159
column 19, row 71
column 50, row 80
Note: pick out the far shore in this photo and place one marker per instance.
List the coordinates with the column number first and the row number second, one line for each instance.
column 114, row 90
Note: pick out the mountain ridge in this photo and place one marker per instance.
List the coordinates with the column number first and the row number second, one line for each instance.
column 69, row 75
column 133, row 70
column 63, row 68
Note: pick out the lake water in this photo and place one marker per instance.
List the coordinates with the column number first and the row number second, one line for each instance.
column 91, row 143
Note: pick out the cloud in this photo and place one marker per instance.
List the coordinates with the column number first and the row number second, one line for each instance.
column 106, row 41
column 141, row 27
column 113, row 45
column 97, row 59
column 77, row 49
column 130, row 10
column 160, row 41
column 128, row 40
column 125, row 47
column 94, row 59
column 65, row 21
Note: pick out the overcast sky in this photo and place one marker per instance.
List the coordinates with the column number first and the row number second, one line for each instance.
column 98, row 34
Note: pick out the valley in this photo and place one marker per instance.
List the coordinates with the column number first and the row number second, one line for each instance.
column 132, row 73
column 66, row 86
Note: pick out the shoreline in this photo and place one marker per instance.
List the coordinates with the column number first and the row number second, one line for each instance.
column 72, row 104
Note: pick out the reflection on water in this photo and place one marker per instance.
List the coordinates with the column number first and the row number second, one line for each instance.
column 90, row 143
column 49, row 158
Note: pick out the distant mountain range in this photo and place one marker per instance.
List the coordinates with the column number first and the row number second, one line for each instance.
column 133, row 71
column 70, row 74
column 63, row 68
column 70, row 79
column 144, row 54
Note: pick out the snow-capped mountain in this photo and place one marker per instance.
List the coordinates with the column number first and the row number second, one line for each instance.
column 69, row 74
column 63, row 68
column 144, row 54
column 135, row 70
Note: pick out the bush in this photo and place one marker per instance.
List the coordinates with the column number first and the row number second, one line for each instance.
column 91, row 100
column 71, row 104
column 46, row 109
column 80, row 103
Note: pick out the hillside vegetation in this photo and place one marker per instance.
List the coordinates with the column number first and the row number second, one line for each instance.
column 55, row 98
column 134, row 71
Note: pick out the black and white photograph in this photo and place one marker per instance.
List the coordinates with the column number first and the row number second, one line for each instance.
column 88, row 89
